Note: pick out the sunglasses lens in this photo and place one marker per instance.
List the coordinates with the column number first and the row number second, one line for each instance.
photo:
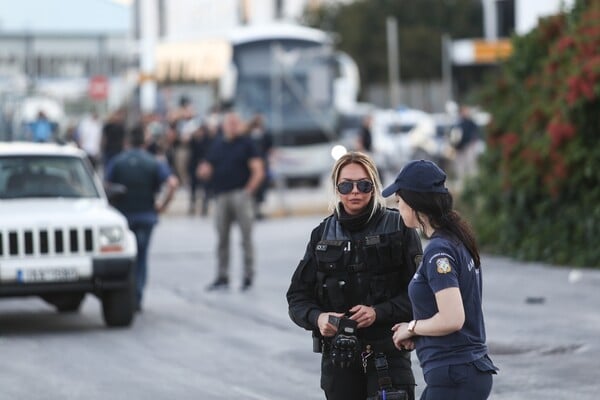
column 364, row 186
column 345, row 187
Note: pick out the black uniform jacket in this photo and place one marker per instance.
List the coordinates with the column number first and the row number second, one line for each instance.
column 303, row 300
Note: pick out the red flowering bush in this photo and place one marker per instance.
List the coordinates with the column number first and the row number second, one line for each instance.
column 537, row 196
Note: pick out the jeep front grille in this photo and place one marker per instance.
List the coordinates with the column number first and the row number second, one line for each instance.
column 59, row 241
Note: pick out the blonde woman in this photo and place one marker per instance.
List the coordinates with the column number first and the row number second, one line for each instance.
column 351, row 287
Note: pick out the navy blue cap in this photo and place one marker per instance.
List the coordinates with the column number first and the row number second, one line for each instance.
column 419, row 176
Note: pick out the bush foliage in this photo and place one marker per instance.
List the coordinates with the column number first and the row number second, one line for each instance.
column 537, row 196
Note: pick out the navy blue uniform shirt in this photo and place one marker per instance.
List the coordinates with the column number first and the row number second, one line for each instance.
column 148, row 216
column 229, row 160
column 447, row 263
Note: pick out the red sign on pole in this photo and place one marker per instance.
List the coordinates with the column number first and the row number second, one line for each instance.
column 98, row 87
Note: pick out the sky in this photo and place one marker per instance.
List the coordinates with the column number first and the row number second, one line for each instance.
column 64, row 15
column 18, row 16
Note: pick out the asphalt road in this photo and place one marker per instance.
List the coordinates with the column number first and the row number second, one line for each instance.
column 542, row 323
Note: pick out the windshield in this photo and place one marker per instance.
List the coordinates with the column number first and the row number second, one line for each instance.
column 294, row 110
column 45, row 176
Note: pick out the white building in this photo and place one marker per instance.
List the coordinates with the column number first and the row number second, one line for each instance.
column 526, row 14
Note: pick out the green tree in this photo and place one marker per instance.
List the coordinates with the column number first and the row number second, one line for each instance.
column 361, row 30
column 537, row 196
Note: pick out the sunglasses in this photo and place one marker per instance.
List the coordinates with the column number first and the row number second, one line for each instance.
column 362, row 185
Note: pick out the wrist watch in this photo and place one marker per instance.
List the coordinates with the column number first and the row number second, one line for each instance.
column 412, row 325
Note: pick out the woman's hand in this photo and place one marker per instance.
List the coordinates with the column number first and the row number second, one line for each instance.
column 365, row 316
column 327, row 329
column 402, row 337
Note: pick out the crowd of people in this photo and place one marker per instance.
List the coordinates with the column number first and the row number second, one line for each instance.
column 181, row 137
column 221, row 158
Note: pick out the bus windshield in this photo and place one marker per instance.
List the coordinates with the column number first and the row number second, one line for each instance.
column 292, row 88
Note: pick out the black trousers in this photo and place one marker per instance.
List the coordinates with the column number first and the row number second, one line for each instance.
column 354, row 384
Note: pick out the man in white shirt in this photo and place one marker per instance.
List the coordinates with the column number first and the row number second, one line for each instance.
column 90, row 134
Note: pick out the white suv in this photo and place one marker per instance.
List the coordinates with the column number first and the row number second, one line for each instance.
column 59, row 237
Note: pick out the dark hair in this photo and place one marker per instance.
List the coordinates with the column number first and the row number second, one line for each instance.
column 438, row 208
column 136, row 136
column 184, row 101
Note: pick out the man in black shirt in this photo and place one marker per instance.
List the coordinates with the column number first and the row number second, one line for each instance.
column 235, row 170
column 113, row 136
column 468, row 146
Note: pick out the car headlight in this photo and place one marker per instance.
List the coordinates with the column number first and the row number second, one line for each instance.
column 111, row 239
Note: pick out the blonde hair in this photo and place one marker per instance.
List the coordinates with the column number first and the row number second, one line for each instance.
column 365, row 161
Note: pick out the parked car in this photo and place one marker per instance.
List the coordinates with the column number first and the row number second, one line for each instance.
column 59, row 237
column 407, row 134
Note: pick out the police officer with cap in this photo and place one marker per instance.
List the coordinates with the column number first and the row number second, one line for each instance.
column 446, row 292
column 350, row 288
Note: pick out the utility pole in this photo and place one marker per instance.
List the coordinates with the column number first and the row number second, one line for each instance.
column 490, row 20
column 393, row 61
column 148, row 28
column 447, row 65
column 278, row 9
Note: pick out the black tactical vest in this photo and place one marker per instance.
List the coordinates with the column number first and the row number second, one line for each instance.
column 138, row 171
column 363, row 268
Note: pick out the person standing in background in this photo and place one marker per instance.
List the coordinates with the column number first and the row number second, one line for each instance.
column 468, row 143
column 143, row 176
column 183, row 119
column 113, row 136
column 212, row 132
column 89, row 137
column 198, row 146
column 235, row 170
column 365, row 138
column 42, row 130
column 264, row 142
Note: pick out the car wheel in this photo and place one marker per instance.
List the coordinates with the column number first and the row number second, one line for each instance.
column 118, row 306
column 65, row 302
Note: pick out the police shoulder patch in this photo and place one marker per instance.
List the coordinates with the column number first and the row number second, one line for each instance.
column 443, row 265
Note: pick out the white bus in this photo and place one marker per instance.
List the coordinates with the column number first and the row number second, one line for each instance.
column 293, row 77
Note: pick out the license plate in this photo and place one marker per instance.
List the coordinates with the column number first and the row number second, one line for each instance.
column 46, row 269
column 32, row 275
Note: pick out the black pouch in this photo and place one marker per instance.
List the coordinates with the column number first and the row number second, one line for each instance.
column 330, row 255
column 317, row 341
